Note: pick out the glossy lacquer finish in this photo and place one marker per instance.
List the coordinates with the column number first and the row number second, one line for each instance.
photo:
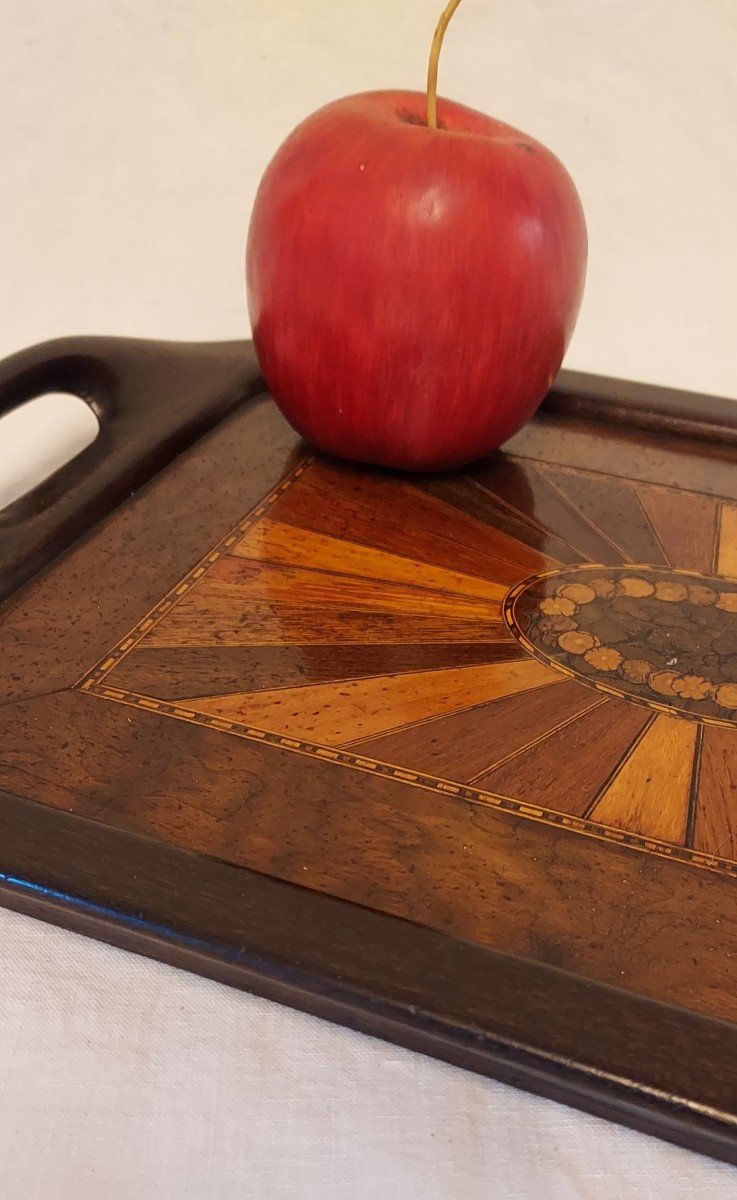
column 411, row 290
column 449, row 758
column 418, row 629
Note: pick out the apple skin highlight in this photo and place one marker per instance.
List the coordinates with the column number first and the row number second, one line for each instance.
column 412, row 291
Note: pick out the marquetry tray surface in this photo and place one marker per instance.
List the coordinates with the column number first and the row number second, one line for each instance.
column 555, row 642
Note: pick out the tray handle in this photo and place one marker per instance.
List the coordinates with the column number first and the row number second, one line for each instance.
column 151, row 399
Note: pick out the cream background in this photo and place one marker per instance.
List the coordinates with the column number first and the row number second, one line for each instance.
column 132, row 139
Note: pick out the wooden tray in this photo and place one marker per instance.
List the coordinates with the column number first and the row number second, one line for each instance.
column 448, row 759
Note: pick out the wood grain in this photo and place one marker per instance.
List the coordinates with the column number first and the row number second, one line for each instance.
column 339, row 618
column 326, row 956
column 213, row 620
column 466, row 494
column 686, row 526
column 614, row 450
column 616, row 510
column 464, row 745
column 477, row 873
column 279, row 583
column 151, row 400
column 650, row 791
column 377, row 492
column 275, row 542
column 623, row 406
column 194, row 670
column 727, row 548
column 87, row 600
column 715, row 830
column 344, row 712
column 531, row 546
column 403, row 530
column 527, row 490
column 590, row 748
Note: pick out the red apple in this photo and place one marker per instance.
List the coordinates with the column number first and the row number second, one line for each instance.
column 412, row 290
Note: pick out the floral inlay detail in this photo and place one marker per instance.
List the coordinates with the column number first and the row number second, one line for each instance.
column 649, row 634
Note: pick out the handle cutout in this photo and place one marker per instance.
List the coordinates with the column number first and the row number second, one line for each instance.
column 38, row 438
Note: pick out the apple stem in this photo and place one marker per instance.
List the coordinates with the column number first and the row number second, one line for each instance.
column 432, row 70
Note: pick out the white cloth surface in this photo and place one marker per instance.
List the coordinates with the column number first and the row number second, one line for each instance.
column 123, row 1078
column 133, row 138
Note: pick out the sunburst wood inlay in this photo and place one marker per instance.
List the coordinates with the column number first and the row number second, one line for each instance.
column 546, row 641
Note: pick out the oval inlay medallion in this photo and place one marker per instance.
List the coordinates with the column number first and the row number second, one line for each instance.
column 664, row 638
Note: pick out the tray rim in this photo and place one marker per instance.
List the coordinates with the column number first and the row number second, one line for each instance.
column 50, row 868
column 331, row 957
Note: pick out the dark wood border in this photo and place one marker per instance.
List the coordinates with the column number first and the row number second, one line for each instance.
column 647, row 1065
column 152, row 400
column 643, row 406
column 667, row 1071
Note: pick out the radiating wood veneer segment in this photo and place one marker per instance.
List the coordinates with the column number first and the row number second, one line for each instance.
column 171, row 674
column 566, row 770
column 274, row 542
column 244, row 581
column 685, row 525
column 715, row 829
column 650, row 792
column 466, row 494
column 344, row 712
column 203, row 621
column 614, row 508
column 727, row 549
column 382, row 494
column 527, row 490
column 464, row 745
column 402, row 524
column 243, row 602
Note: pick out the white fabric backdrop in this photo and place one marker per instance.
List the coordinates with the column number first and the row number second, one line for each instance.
column 132, row 139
